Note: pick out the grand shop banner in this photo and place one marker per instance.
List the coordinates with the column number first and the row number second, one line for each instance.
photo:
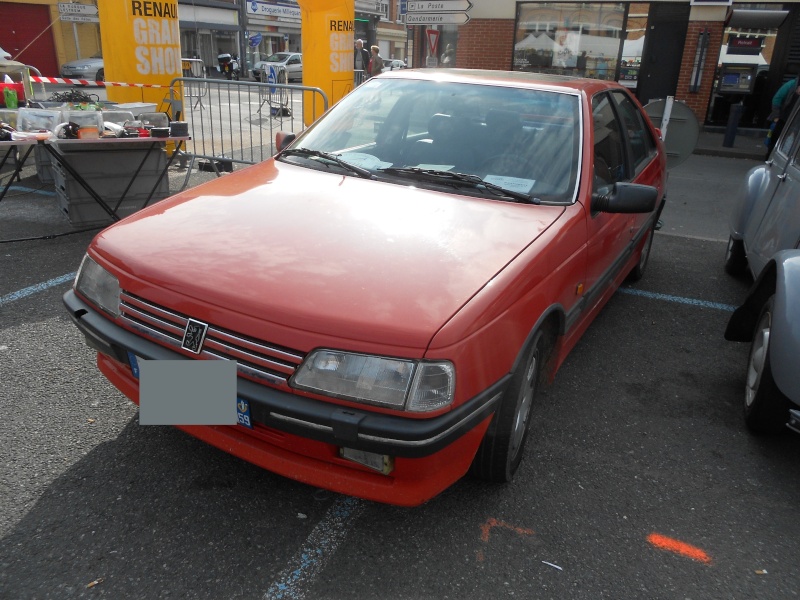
column 141, row 44
column 327, row 30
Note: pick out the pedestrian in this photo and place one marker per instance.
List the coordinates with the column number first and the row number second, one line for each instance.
column 782, row 104
column 580, row 64
column 360, row 60
column 376, row 62
column 449, row 56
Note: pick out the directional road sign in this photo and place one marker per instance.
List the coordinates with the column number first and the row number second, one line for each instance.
column 440, row 6
column 453, row 18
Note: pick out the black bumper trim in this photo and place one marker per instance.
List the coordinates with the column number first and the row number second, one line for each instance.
column 302, row 416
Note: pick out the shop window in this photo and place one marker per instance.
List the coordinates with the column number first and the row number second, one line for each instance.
column 569, row 38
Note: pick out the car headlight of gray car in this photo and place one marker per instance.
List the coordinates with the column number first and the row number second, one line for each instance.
column 416, row 386
column 98, row 286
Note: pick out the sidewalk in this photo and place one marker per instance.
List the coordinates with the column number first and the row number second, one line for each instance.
column 748, row 143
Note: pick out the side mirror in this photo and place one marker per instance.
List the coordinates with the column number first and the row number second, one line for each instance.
column 625, row 198
column 283, row 139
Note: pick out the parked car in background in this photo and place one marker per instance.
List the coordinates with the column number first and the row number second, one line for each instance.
column 765, row 243
column 392, row 65
column 292, row 62
column 396, row 283
column 85, row 68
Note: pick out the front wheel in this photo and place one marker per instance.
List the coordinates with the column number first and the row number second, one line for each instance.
column 766, row 409
column 638, row 271
column 500, row 452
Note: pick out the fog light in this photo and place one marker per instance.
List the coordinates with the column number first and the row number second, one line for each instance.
column 378, row 462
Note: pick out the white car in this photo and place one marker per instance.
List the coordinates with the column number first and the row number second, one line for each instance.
column 292, row 62
column 391, row 65
column 85, row 68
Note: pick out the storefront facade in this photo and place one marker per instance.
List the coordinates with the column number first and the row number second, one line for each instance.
column 209, row 28
column 272, row 26
column 712, row 55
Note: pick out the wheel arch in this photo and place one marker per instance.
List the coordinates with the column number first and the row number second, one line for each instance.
column 552, row 322
column 781, row 278
column 753, row 188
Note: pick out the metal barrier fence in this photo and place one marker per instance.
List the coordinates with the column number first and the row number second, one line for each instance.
column 235, row 122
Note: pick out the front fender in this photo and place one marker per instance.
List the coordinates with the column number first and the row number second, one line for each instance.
column 780, row 277
column 754, row 184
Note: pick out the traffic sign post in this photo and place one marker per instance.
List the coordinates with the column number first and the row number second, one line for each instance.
column 441, row 12
column 433, row 41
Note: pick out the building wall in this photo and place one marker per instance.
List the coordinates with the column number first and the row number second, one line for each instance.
column 698, row 101
column 486, row 44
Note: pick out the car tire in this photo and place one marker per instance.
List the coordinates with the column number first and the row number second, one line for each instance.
column 735, row 258
column 637, row 272
column 501, row 449
column 766, row 408
column 101, row 75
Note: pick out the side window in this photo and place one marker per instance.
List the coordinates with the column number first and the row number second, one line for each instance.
column 609, row 151
column 789, row 136
column 643, row 147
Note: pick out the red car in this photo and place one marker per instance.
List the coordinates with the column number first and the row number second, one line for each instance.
column 396, row 282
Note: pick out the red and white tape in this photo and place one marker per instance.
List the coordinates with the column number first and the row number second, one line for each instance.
column 100, row 83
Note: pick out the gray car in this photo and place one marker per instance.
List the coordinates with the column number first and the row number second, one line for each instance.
column 765, row 243
column 290, row 62
column 85, row 68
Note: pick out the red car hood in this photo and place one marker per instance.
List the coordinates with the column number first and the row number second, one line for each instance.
column 323, row 253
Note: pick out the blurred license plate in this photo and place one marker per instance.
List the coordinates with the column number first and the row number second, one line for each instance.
column 243, row 413
column 243, row 416
column 133, row 361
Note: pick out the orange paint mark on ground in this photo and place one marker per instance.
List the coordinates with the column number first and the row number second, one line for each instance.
column 491, row 523
column 663, row 542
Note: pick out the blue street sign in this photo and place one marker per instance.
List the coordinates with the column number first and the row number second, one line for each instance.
column 272, row 78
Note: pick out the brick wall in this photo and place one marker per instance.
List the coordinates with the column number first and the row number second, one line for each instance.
column 486, row 44
column 698, row 101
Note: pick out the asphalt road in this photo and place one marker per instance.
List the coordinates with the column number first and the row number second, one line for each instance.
column 639, row 480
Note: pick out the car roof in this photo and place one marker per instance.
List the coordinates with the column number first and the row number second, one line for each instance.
column 513, row 78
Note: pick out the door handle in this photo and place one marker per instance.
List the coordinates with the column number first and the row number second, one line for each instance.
column 782, row 176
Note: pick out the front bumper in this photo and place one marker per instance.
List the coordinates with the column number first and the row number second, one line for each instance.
column 302, row 416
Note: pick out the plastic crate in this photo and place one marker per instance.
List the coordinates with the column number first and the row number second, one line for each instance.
column 84, row 118
column 36, row 119
column 44, row 168
column 108, row 171
column 8, row 115
column 90, row 213
column 117, row 116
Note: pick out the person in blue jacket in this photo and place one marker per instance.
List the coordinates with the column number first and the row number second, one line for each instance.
column 782, row 104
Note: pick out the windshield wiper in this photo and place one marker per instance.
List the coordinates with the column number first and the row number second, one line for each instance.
column 307, row 152
column 450, row 177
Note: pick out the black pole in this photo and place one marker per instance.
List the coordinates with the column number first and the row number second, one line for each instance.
column 733, row 124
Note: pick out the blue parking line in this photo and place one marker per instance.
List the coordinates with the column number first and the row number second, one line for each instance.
column 19, row 188
column 39, row 287
column 678, row 299
column 310, row 560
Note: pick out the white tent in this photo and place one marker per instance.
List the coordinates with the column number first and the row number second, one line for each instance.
column 540, row 42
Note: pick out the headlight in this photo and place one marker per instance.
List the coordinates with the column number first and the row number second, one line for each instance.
column 391, row 382
column 98, row 285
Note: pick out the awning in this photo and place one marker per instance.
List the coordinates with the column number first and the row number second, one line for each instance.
column 756, row 19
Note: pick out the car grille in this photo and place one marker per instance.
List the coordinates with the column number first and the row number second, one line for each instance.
column 255, row 359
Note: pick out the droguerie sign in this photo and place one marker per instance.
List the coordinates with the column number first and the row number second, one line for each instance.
column 157, row 34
